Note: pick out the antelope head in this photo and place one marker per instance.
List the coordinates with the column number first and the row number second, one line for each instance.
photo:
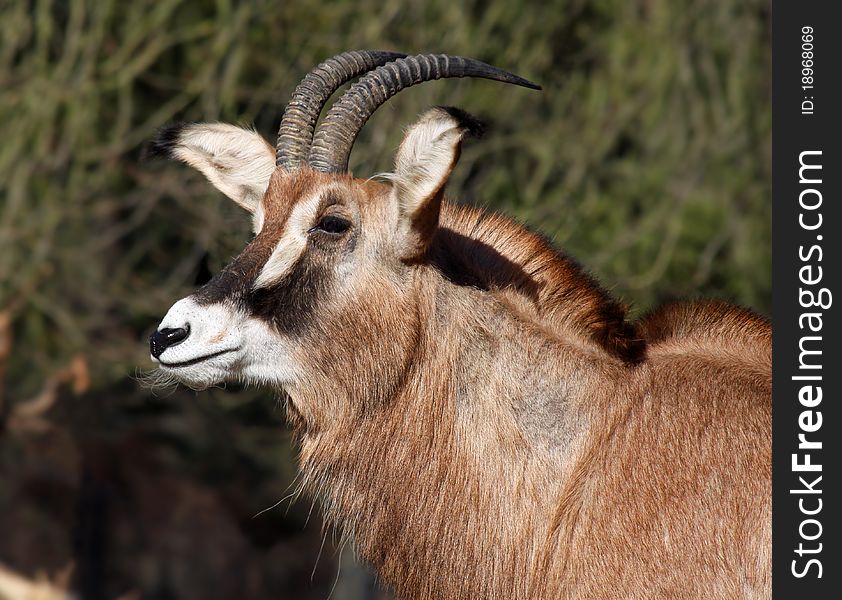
column 323, row 292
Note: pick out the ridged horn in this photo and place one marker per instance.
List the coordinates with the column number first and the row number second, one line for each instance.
column 335, row 136
column 296, row 131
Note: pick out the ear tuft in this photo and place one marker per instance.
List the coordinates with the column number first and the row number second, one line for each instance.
column 425, row 159
column 237, row 161
column 165, row 140
column 472, row 126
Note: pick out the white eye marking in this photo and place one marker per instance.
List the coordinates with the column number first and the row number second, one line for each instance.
column 291, row 244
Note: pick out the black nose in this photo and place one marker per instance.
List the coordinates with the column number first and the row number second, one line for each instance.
column 163, row 339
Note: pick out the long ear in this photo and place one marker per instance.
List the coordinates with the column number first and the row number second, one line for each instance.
column 238, row 162
column 423, row 164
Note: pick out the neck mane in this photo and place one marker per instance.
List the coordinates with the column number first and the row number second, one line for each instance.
column 444, row 489
column 426, row 484
column 493, row 253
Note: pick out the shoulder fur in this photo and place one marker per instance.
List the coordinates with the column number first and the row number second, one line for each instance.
column 704, row 320
column 710, row 327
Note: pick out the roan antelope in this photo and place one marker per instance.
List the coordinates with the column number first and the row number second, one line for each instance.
column 473, row 410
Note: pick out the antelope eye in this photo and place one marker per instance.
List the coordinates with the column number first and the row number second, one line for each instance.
column 332, row 224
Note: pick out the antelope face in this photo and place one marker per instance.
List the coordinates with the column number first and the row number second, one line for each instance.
column 326, row 246
column 285, row 287
column 331, row 259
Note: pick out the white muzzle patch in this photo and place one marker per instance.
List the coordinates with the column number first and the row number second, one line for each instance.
column 210, row 351
column 223, row 344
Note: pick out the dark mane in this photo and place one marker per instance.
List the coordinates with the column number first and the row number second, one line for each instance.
column 492, row 252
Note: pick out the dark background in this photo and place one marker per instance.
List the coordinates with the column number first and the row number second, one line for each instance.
column 647, row 156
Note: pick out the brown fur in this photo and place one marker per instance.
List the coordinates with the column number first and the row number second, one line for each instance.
column 498, row 430
column 481, row 419
column 524, row 266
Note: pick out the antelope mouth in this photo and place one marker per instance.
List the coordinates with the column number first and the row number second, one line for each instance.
column 197, row 360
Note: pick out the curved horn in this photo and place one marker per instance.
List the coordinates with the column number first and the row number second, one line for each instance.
column 296, row 131
column 335, row 136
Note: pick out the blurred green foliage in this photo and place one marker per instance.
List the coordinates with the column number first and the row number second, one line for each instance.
column 647, row 156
